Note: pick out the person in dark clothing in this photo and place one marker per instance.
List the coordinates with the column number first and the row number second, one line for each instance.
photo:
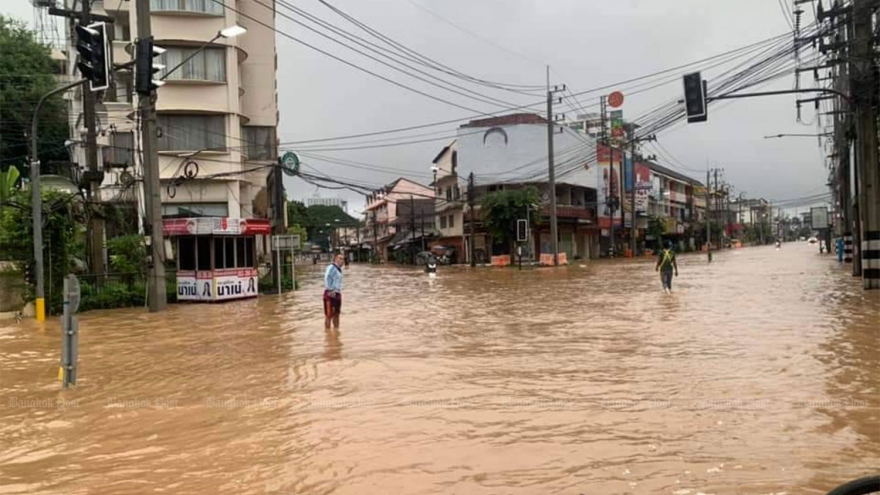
column 666, row 265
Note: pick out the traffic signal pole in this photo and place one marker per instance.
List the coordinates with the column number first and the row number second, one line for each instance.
column 37, row 205
column 96, row 177
column 157, row 298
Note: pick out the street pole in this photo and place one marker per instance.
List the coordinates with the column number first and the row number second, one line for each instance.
column 96, row 224
column 471, row 190
column 715, row 204
column 865, row 90
column 37, row 204
column 375, row 238
column 632, row 184
column 708, row 229
column 554, row 232
column 412, row 221
column 157, row 298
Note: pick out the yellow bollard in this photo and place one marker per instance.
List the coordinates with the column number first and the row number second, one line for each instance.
column 40, row 309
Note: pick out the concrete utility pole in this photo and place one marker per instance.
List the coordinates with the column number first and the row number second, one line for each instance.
column 157, row 298
column 708, row 227
column 470, row 199
column 864, row 85
column 554, row 232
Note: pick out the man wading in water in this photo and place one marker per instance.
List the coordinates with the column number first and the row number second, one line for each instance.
column 333, row 291
column 665, row 265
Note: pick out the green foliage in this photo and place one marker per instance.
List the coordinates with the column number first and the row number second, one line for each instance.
column 297, row 229
column 128, row 255
column 501, row 210
column 267, row 285
column 16, row 239
column 7, row 184
column 26, row 74
column 316, row 218
column 112, row 295
column 656, row 228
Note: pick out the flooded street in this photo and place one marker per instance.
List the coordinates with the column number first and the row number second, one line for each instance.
column 758, row 375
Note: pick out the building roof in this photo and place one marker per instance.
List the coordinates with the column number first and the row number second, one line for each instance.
column 443, row 151
column 512, row 119
column 672, row 173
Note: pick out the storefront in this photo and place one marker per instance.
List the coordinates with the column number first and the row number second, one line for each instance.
column 216, row 257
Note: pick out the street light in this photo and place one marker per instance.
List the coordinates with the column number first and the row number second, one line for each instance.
column 435, row 169
column 797, row 135
column 228, row 33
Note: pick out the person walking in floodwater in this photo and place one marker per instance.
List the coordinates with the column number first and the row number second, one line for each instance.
column 333, row 291
column 665, row 265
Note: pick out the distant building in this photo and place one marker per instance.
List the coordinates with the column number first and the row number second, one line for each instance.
column 319, row 201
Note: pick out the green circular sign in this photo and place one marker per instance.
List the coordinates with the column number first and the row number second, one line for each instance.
column 290, row 163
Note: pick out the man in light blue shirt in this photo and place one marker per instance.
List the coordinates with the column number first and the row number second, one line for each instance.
column 333, row 292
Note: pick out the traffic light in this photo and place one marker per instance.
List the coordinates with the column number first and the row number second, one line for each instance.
column 522, row 230
column 145, row 68
column 94, row 55
column 695, row 98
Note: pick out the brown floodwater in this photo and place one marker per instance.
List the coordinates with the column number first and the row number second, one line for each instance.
column 758, row 375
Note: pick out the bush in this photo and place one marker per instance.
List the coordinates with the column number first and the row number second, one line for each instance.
column 111, row 296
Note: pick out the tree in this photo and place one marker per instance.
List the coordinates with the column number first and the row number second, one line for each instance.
column 656, row 229
column 299, row 230
column 7, row 184
column 316, row 218
column 501, row 210
column 26, row 74
column 17, row 238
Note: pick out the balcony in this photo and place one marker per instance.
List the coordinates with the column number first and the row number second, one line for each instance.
column 572, row 212
column 120, row 55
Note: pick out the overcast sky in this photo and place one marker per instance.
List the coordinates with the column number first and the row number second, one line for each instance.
column 587, row 44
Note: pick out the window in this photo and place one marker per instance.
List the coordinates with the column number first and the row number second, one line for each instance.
column 451, row 221
column 442, row 222
column 448, row 194
column 206, row 65
column 240, row 253
column 203, row 6
column 186, row 253
column 457, row 192
column 120, row 150
column 203, row 254
column 260, row 142
column 170, row 210
column 192, row 132
column 454, row 161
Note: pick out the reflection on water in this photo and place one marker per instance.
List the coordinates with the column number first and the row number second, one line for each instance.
column 757, row 375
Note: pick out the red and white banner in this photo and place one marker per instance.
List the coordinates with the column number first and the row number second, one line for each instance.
column 216, row 226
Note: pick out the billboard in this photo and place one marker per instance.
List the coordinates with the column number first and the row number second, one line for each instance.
column 518, row 153
column 608, row 186
column 819, row 217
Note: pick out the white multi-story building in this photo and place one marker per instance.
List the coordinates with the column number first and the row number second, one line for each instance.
column 217, row 114
column 319, row 201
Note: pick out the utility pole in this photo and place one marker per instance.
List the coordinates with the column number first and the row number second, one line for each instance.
column 865, row 91
column 470, row 199
column 715, row 204
column 633, row 141
column 554, row 232
column 96, row 177
column 375, row 238
column 708, row 225
column 412, row 222
column 157, row 298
